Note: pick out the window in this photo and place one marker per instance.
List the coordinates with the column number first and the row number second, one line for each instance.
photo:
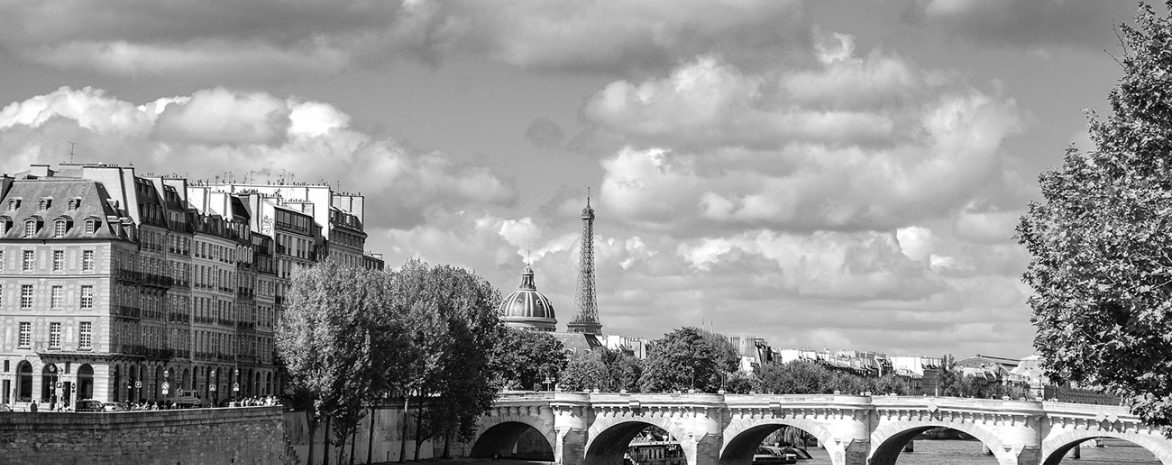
column 91, row 226
column 30, row 228
column 59, row 227
column 3, row 265
column 87, row 260
column 46, row 203
column 26, row 296
column 87, row 297
column 58, row 260
column 26, row 334
column 85, row 335
column 54, row 335
column 13, row 205
column 73, row 203
column 30, row 260
column 56, row 296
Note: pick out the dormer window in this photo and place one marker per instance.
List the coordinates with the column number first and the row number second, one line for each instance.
column 30, row 228
column 91, row 226
column 13, row 204
column 74, row 203
column 46, row 202
column 60, row 227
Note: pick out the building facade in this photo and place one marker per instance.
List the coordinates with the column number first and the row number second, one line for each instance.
column 119, row 287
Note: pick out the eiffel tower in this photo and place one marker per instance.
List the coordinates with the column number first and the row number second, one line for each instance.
column 585, row 306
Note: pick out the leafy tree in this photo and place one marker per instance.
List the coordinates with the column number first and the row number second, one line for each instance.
column 328, row 346
column 623, row 368
column 1101, row 268
column 740, row 382
column 526, row 358
column 889, row 384
column 686, row 358
column 454, row 328
column 586, row 371
column 795, row 377
column 603, row 369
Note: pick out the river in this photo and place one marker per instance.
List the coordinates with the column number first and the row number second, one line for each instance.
column 957, row 452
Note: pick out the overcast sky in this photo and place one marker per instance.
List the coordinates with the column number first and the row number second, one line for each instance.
column 823, row 174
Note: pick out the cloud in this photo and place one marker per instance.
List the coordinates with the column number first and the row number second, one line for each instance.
column 543, row 133
column 980, row 222
column 270, row 39
column 712, row 147
column 1035, row 25
column 253, row 134
column 799, row 290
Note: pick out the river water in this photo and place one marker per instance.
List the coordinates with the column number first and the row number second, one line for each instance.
column 957, row 452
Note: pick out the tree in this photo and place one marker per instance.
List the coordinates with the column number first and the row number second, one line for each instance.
column 624, row 370
column 525, row 359
column 795, row 377
column 687, row 358
column 328, row 346
column 1101, row 268
column 586, row 371
column 454, row 329
column 603, row 369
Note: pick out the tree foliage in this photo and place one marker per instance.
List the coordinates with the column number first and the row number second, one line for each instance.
column 332, row 346
column 807, row 377
column 458, row 332
column 688, row 358
column 1101, row 240
column 603, row 369
column 525, row 359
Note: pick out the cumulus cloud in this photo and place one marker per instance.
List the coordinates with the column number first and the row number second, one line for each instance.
column 1035, row 25
column 253, row 133
column 876, row 143
column 795, row 289
column 275, row 39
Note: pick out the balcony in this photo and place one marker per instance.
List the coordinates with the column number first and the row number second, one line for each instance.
column 227, row 322
column 126, row 311
column 129, row 276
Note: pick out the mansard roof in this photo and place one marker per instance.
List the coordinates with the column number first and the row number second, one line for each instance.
column 92, row 204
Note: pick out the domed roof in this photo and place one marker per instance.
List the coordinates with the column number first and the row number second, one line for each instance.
column 527, row 308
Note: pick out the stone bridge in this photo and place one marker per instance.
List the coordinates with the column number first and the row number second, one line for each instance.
column 595, row 429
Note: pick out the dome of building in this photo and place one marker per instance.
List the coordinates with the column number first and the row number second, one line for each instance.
column 526, row 308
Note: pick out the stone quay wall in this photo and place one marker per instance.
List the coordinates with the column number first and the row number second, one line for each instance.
column 246, row 435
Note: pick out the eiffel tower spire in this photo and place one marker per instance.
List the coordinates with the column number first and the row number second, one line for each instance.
column 585, row 306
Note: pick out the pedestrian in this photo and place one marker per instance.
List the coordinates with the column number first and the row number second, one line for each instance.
column 33, row 407
column 53, row 403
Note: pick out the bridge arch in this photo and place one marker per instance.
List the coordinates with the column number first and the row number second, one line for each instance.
column 610, row 437
column 500, row 434
column 1055, row 448
column 742, row 436
column 888, row 440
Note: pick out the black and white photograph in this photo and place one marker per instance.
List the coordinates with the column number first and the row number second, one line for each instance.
column 586, row 232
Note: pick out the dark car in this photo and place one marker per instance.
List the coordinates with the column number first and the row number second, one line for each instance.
column 90, row 405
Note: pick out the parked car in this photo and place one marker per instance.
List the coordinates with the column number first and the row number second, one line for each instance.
column 5, row 408
column 115, row 407
column 188, row 401
column 90, row 405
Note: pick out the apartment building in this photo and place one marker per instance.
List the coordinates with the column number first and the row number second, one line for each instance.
column 121, row 287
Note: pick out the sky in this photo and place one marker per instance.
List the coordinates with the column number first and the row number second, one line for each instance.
column 823, row 174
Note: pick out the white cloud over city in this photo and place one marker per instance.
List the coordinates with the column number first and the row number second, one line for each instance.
column 760, row 166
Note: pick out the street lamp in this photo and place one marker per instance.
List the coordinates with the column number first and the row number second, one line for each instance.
column 548, row 381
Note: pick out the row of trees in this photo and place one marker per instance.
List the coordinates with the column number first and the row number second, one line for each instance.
column 352, row 337
column 430, row 334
